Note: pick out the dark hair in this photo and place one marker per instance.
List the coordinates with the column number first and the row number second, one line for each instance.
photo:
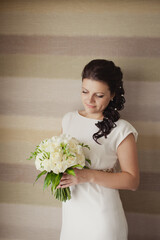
column 106, row 71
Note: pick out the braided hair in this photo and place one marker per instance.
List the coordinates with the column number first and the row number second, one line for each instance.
column 106, row 71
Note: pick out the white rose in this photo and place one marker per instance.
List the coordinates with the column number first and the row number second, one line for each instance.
column 73, row 145
column 49, row 147
column 59, row 162
column 79, row 149
column 38, row 162
column 81, row 160
column 47, row 165
column 56, row 156
column 58, row 141
column 58, row 168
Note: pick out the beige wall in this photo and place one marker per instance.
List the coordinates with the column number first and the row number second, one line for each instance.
column 43, row 47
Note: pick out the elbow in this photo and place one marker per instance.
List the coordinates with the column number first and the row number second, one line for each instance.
column 135, row 184
column 134, row 189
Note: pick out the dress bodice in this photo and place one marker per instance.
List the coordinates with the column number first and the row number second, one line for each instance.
column 102, row 156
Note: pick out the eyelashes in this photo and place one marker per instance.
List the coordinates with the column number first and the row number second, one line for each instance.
column 100, row 96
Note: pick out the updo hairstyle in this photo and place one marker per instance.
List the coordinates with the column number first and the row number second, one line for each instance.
column 106, row 71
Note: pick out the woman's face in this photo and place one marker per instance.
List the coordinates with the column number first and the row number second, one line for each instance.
column 95, row 96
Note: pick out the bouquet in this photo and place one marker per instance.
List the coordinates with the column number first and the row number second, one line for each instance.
column 55, row 156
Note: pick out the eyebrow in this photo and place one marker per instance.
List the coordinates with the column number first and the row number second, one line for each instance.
column 96, row 92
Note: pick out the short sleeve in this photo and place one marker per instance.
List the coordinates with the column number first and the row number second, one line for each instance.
column 66, row 121
column 125, row 128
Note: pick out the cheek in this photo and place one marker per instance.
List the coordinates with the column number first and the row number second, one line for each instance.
column 83, row 97
column 105, row 102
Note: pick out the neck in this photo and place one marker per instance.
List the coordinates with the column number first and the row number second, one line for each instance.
column 98, row 116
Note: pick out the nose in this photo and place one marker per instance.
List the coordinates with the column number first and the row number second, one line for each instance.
column 91, row 99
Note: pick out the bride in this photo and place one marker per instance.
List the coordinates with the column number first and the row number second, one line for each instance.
column 95, row 211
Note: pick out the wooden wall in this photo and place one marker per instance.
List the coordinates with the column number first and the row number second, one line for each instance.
column 44, row 46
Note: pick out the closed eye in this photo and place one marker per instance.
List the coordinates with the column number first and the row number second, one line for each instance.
column 101, row 96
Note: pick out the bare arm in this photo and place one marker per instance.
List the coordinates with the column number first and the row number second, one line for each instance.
column 128, row 178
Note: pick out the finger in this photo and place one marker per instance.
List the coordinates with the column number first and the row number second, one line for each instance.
column 68, row 181
column 65, row 175
column 65, row 178
column 66, row 185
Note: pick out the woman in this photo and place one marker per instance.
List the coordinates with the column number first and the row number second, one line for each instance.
column 95, row 211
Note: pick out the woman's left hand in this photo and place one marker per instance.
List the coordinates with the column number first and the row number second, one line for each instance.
column 81, row 176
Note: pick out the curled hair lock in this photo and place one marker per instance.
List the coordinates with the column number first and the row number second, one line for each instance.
column 106, row 71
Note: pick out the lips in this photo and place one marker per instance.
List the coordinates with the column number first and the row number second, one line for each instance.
column 90, row 106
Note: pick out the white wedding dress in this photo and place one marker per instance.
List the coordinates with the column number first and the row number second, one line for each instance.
column 95, row 212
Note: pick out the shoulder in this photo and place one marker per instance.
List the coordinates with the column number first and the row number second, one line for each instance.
column 124, row 124
column 122, row 130
column 68, row 116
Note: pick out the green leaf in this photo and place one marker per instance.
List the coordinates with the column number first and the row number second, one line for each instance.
column 86, row 167
column 55, row 194
column 89, row 161
column 52, row 187
column 57, row 179
column 53, row 177
column 47, row 154
column 64, row 194
column 47, row 180
column 71, row 155
column 87, row 146
column 39, row 175
column 30, row 158
column 83, row 145
column 77, row 165
column 68, row 192
column 60, row 194
column 70, row 171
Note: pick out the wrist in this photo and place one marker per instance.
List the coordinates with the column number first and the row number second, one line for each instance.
column 90, row 175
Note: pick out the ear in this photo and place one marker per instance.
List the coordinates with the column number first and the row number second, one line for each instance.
column 112, row 96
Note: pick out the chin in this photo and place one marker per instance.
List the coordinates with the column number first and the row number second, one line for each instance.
column 90, row 110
